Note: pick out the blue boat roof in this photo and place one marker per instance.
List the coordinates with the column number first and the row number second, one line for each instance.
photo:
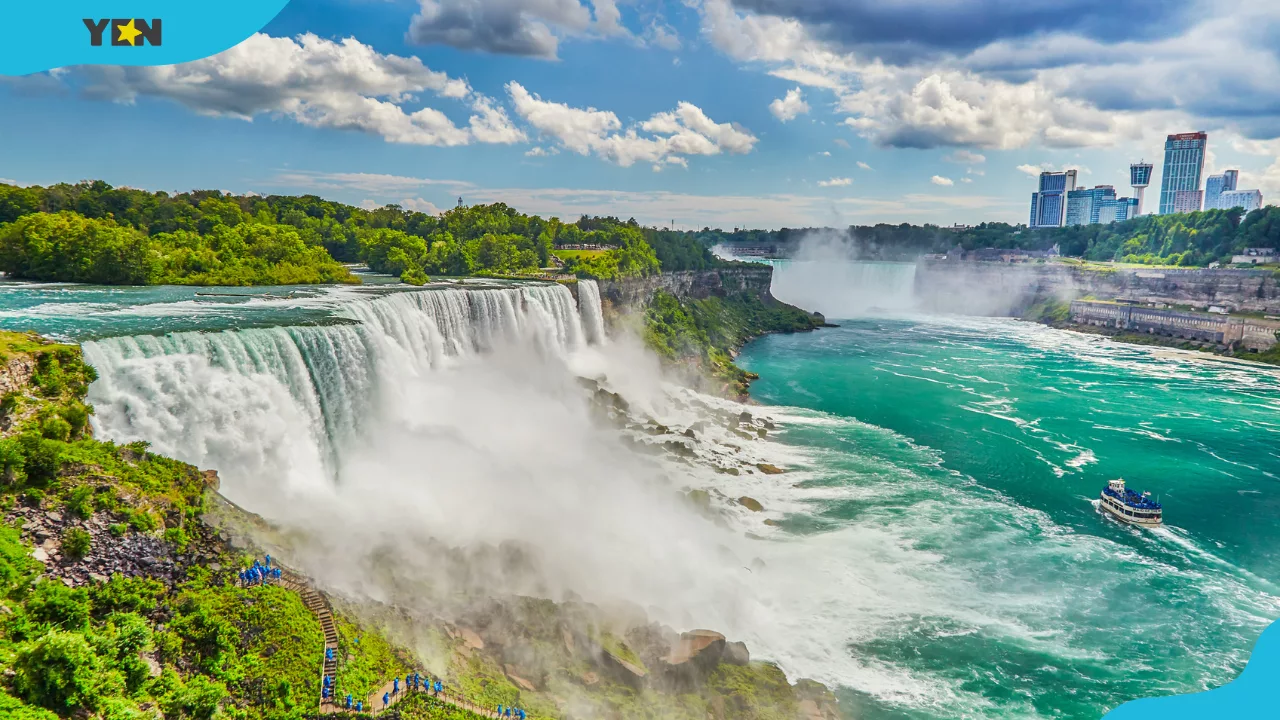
column 1133, row 499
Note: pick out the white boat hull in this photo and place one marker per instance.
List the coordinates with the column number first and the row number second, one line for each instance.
column 1117, row 511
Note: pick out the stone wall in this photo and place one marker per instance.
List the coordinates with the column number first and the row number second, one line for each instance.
column 1008, row 289
column 632, row 293
column 1231, row 332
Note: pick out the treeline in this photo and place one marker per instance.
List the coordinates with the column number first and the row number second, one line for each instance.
column 95, row 233
column 1197, row 238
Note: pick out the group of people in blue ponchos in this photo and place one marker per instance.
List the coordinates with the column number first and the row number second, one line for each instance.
column 259, row 572
column 510, row 712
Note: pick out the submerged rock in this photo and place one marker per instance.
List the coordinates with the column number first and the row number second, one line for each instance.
column 750, row 503
column 768, row 469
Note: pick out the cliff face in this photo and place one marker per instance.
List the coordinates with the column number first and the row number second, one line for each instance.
column 633, row 293
column 1005, row 289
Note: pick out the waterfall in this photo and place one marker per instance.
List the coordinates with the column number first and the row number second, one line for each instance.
column 285, row 402
column 589, row 308
column 840, row 288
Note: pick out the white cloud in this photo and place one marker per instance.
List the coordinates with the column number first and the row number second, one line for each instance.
column 864, row 166
column 943, row 181
column 682, row 132
column 825, row 153
column 343, row 85
column 842, row 143
column 540, row 151
column 1032, row 170
column 789, row 106
column 966, row 157
column 836, row 182
column 365, row 182
column 662, row 35
column 420, row 205
column 7, row 181
column 966, row 180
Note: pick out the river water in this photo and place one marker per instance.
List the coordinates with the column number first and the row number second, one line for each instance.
column 938, row 553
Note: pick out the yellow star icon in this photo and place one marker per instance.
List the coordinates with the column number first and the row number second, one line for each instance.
column 128, row 33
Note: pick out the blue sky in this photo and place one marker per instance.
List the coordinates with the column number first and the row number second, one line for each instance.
column 756, row 113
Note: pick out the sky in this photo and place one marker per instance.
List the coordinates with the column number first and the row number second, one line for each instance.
column 722, row 113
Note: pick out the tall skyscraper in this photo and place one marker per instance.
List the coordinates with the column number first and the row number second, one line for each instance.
column 1218, row 184
column 1183, row 163
column 1139, row 179
column 1049, row 205
column 1117, row 209
column 1085, row 205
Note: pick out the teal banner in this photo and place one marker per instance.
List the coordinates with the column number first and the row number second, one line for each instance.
column 47, row 35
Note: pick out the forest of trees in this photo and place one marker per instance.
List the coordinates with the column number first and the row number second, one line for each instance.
column 95, row 233
column 1194, row 239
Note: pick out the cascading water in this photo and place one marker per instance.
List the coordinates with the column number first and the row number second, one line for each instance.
column 440, row 416
column 589, row 307
column 846, row 289
column 286, row 401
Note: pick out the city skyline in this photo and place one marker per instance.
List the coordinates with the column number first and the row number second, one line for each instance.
column 1181, row 190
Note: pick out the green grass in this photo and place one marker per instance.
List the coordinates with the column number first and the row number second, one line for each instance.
column 366, row 661
column 578, row 254
column 420, row 706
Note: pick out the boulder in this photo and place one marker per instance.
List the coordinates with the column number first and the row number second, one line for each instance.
column 736, row 653
column 701, row 647
column 768, row 469
column 750, row 503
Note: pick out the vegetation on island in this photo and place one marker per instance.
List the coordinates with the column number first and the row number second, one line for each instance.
column 1185, row 239
column 706, row 334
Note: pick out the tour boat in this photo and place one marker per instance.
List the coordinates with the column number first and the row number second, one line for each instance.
column 1131, row 507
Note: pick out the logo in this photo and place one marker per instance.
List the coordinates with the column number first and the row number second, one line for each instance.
column 129, row 32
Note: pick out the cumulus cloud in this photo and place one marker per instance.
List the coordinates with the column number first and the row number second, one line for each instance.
column 836, row 182
column 666, row 137
column 938, row 73
column 1032, row 170
column 343, row 85
column 511, row 27
column 789, row 106
column 943, row 181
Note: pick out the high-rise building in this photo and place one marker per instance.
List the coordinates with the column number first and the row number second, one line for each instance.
column 1215, row 185
column 1048, row 206
column 1139, row 179
column 1248, row 199
column 1183, row 163
column 1084, row 205
column 1185, row 201
column 1117, row 209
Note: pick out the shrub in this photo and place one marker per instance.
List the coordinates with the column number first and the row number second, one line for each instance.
column 80, row 501
column 76, row 543
column 60, row 671
column 56, row 604
column 55, row 428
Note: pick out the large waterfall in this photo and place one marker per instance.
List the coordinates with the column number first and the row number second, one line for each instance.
column 443, row 415
column 841, row 288
column 285, row 402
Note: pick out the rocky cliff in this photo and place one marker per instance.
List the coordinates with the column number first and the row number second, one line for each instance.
column 982, row 288
column 689, row 285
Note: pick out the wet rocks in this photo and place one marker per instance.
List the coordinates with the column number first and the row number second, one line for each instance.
column 750, row 503
column 768, row 469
